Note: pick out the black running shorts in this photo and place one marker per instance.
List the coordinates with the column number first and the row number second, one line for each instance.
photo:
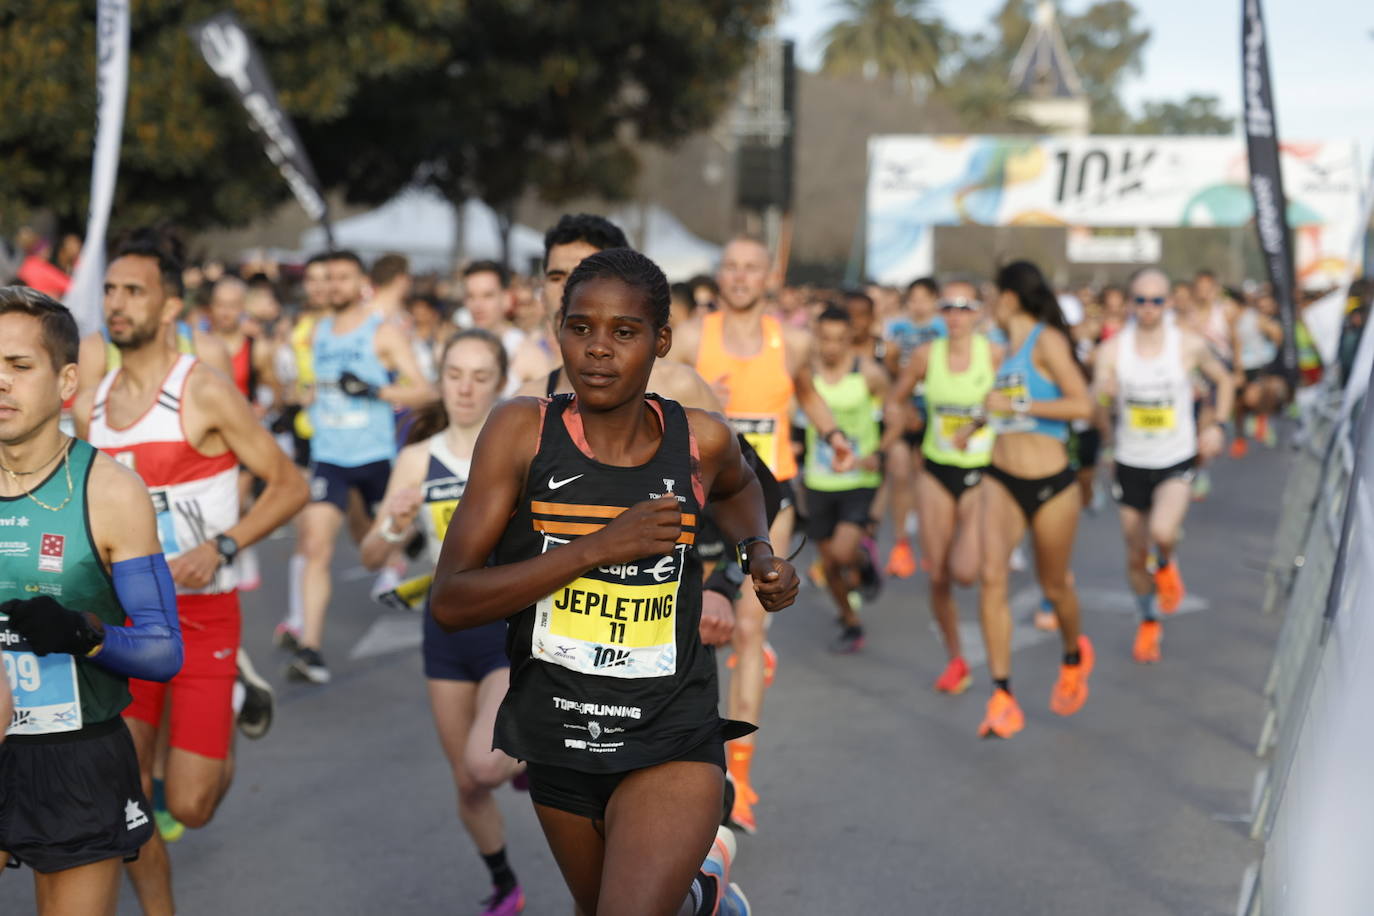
column 1135, row 487
column 587, row 794
column 72, row 799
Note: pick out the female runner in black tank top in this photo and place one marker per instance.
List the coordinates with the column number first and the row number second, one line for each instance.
column 587, row 506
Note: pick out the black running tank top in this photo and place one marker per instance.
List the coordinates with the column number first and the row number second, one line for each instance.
column 608, row 673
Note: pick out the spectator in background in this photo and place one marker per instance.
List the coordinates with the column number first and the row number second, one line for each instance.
column 38, row 271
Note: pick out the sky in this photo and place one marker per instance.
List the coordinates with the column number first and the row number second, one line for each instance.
column 1321, row 55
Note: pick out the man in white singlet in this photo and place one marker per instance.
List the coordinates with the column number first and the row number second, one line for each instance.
column 1145, row 374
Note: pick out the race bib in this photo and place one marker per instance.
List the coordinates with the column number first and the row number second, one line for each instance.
column 948, row 422
column 1015, row 386
column 441, row 513
column 762, row 434
column 44, row 687
column 614, row 621
column 337, row 410
column 1150, row 417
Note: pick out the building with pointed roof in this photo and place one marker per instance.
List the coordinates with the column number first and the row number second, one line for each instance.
column 1044, row 80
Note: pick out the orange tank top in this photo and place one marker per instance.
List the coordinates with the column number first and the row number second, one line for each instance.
column 760, row 390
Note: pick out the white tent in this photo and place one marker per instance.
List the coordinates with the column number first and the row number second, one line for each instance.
column 658, row 233
column 423, row 226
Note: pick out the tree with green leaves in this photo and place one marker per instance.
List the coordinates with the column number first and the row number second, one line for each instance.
column 900, row 40
column 486, row 98
column 1194, row 116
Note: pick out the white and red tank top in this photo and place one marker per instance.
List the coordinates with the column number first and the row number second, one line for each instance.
column 195, row 495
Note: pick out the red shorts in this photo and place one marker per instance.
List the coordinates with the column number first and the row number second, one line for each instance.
column 202, row 694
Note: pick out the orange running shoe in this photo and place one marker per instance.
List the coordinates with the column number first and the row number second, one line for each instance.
column 955, row 679
column 742, row 815
column 901, row 562
column 1071, row 690
column 816, row 573
column 1146, row 649
column 1004, row 717
column 1239, row 448
column 770, row 663
column 1169, row 587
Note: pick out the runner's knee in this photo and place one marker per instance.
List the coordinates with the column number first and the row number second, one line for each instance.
column 194, row 808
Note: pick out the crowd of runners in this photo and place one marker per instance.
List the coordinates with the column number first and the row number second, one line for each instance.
column 588, row 484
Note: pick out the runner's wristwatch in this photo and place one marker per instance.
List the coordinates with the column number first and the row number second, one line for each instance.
column 228, row 548
column 742, row 550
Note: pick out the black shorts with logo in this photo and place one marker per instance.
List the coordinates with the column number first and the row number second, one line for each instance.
column 1135, row 487
column 826, row 509
column 330, row 483
column 587, row 794
column 72, row 799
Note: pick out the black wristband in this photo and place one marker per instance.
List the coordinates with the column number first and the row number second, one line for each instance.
column 742, row 550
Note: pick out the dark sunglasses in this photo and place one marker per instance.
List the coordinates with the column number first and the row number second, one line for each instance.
column 1149, row 300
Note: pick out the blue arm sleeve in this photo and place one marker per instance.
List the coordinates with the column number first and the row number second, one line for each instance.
column 151, row 648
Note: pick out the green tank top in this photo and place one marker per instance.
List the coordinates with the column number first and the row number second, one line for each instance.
column 856, row 415
column 51, row 553
column 951, row 401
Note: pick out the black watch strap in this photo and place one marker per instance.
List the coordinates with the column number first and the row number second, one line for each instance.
column 742, row 550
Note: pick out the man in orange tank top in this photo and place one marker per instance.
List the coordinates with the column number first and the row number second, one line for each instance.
column 757, row 365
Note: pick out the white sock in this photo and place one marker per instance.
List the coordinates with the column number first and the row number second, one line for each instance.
column 295, row 614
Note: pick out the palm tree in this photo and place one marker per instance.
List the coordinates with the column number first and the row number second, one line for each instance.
column 902, row 40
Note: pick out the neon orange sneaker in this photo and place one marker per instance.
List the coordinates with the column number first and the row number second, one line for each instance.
column 1239, row 448
column 742, row 815
column 1169, row 588
column 770, row 664
column 1004, row 717
column 901, row 562
column 1071, row 690
column 1146, row 649
column 816, row 573
column 955, row 679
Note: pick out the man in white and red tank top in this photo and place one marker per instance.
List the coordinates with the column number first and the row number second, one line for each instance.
column 185, row 429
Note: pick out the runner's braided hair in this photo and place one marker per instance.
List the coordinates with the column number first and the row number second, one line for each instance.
column 631, row 268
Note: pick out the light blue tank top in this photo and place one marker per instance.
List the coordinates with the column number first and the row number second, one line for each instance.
column 350, row 431
column 1022, row 382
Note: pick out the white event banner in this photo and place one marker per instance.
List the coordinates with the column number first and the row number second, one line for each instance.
column 918, row 182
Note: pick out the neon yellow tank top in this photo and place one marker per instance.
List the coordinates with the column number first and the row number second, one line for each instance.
column 951, row 401
column 856, row 415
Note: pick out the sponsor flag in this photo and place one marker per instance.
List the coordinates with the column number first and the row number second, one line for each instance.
column 1266, row 177
column 235, row 59
column 84, row 296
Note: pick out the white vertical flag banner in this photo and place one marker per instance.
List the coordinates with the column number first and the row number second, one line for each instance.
column 111, row 88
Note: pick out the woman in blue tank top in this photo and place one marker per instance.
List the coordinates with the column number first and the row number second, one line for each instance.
column 1040, row 388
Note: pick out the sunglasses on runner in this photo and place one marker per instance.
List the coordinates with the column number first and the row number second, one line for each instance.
column 1149, row 300
column 960, row 305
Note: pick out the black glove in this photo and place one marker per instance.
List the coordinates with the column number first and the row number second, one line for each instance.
column 356, row 387
column 49, row 627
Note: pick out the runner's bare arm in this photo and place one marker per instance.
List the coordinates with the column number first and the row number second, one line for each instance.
column 399, row 506
column 6, row 701
column 736, row 501
column 899, row 395
column 1200, row 356
column 216, row 404
column 875, row 377
column 1104, row 373
column 410, row 389
column 123, row 525
column 211, row 351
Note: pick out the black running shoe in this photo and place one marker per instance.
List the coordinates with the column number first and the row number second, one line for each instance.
column 849, row 642
column 870, row 579
column 259, row 703
column 308, row 665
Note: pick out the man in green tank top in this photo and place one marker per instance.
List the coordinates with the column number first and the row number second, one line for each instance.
column 837, row 502
column 78, row 554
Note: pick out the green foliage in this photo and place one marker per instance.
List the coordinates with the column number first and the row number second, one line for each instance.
column 1195, row 115
column 900, row 40
column 484, row 97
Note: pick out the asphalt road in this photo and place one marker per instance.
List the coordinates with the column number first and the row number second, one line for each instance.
column 877, row 798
